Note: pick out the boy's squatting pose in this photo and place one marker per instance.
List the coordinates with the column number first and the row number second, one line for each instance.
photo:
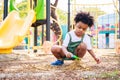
column 76, row 41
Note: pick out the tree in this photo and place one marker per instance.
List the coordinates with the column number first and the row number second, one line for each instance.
column 1, row 13
column 62, row 16
column 55, row 25
column 23, row 8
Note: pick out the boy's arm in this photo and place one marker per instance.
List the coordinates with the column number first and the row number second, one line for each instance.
column 68, row 54
column 94, row 56
column 64, row 50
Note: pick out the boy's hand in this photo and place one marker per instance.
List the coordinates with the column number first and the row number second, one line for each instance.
column 97, row 60
column 69, row 54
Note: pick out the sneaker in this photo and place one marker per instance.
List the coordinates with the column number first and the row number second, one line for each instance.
column 58, row 63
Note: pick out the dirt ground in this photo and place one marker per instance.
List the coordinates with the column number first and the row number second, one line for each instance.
column 21, row 65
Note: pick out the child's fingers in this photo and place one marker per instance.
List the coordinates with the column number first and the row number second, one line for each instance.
column 68, row 55
column 98, row 61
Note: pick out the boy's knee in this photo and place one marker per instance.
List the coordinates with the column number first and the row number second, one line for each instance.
column 54, row 49
column 82, row 46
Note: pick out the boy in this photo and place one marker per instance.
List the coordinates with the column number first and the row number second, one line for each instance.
column 76, row 41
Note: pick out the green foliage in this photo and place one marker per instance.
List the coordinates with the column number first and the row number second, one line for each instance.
column 23, row 8
column 62, row 16
column 1, row 13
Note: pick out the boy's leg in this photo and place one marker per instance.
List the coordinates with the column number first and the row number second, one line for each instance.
column 81, row 50
column 57, row 51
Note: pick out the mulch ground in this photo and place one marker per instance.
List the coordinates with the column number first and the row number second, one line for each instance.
column 21, row 65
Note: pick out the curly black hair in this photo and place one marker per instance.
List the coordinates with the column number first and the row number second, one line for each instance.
column 84, row 17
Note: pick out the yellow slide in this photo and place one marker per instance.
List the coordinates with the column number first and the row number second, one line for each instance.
column 13, row 30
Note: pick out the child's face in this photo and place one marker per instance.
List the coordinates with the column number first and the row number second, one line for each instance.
column 80, row 28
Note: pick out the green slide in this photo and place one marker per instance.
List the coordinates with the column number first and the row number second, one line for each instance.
column 39, row 9
column 12, row 5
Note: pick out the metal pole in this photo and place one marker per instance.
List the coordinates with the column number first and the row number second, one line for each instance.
column 31, row 6
column 42, row 34
column 48, row 20
column 35, row 39
column 35, row 3
column 35, row 31
column 5, row 9
column 68, row 15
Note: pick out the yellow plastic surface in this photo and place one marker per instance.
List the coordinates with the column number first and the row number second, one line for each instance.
column 13, row 30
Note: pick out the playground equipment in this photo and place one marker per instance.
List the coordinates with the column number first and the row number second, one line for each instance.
column 12, row 6
column 13, row 30
column 40, row 19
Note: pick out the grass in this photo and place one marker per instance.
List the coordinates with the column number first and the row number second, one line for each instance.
column 112, row 75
